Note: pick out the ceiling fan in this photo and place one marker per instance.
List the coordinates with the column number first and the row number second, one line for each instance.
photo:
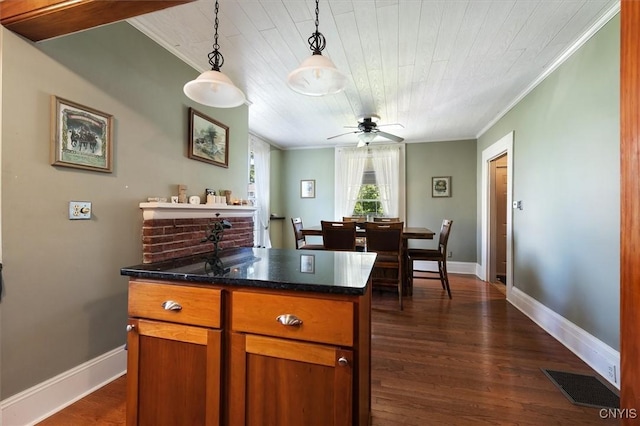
column 368, row 129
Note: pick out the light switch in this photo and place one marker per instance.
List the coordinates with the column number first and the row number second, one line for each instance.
column 79, row 210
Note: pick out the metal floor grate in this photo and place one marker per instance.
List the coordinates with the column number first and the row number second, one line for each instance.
column 583, row 389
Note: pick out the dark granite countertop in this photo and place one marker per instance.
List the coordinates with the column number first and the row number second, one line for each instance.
column 282, row 269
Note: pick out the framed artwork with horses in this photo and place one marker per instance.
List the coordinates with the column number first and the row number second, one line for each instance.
column 208, row 139
column 82, row 137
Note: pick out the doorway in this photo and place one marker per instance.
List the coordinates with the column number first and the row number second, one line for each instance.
column 494, row 226
column 498, row 169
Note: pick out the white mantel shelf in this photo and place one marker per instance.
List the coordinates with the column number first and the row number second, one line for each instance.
column 193, row 211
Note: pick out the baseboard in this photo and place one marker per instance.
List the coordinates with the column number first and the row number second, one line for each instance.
column 597, row 354
column 466, row 268
column 47, row 398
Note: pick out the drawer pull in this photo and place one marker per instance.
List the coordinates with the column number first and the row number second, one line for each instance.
column 343, row 361
column 170, row 305
column 130, row 327
column 289, row 319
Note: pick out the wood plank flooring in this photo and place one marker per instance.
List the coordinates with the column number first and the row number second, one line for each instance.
column 472, row 360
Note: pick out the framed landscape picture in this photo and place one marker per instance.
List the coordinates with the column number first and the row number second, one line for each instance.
column 441, row 186
column 81, row 137
column 208, row 139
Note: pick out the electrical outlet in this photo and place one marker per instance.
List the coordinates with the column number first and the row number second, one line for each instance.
column 449, row 255
column 611, row 373
column 79, row 210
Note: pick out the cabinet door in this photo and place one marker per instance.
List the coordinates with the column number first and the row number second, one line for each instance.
column 281, row 382
column 173, row 374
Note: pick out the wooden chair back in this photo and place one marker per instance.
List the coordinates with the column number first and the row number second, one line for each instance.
column 445, row 230
column 385, row 238
column 339, row 235
column 297, row 232
column 386, row 219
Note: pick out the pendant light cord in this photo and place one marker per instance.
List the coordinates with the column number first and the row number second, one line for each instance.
column 215, row 57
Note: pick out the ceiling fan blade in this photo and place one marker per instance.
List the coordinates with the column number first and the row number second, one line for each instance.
column 390, row 124
column 342, row 134
column 390, row 136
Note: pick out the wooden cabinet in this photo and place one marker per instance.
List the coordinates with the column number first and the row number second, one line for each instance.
column 174, row 355
column 200, row 354
column 299, row 360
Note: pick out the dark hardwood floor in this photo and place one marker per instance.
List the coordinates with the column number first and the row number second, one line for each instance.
column 472, row 360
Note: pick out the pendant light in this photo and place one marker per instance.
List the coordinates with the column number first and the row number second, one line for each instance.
column 317, row 75
column 213, row 88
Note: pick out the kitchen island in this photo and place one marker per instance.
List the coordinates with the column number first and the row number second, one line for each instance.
column 250, row 337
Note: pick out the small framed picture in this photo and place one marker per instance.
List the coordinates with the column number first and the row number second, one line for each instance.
column 308, row 188
column 307, row 263
column 208, row 139
column 441, row 186
column 81, row 137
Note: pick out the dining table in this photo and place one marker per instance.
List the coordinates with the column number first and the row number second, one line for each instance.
column 408, row 233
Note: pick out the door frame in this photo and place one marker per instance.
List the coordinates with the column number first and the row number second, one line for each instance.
column 503, row 146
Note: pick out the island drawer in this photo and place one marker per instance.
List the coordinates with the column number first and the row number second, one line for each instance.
column 323, row 320
column 179, row 304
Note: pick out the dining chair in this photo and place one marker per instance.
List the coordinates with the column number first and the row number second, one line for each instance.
column 386, row 219
column 339, row 236
column 361, row 242
column 438, row 255
column 301, row 241
column 385, row 239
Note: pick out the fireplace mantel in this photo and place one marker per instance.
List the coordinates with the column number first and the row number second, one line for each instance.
column 156, row 210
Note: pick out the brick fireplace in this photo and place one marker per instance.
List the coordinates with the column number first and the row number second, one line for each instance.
column 170, row 230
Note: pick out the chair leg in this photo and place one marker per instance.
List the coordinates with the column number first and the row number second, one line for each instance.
column 400, row 285
column 441, row 272
column 446, row 278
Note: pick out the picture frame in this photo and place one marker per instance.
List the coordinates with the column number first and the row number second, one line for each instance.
column 441, row 186
column 208, row 139
column 308, row 188
column 81, row 136
column 307, row 264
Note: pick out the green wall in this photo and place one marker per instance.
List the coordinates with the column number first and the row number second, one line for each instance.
column 65, row 302
column 566, row 172
column 458, row 160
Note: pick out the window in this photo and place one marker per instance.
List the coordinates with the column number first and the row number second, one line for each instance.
column 370, row 181
column 368, row 198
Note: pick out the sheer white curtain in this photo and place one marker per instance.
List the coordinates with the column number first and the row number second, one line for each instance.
column 386, row 164
column 350, row 164
column 261, row 162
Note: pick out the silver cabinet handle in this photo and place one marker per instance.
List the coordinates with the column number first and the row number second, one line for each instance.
column 170, row 305
column 130, row 327
column 289, row 319
column 343, row 361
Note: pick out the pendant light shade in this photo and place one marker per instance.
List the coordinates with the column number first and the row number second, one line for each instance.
column 317, row 75
column 213, row 88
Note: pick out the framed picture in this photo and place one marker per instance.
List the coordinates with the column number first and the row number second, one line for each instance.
column 308, row 188
column 81, row 137
column 208, row 139
column 307, row 263
column 441, row 186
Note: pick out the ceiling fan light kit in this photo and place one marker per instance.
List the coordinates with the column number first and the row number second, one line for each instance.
column 213, row 88
column 317, row 75
column 368, row 130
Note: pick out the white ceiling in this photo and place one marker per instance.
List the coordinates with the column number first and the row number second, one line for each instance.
column 443, row 69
